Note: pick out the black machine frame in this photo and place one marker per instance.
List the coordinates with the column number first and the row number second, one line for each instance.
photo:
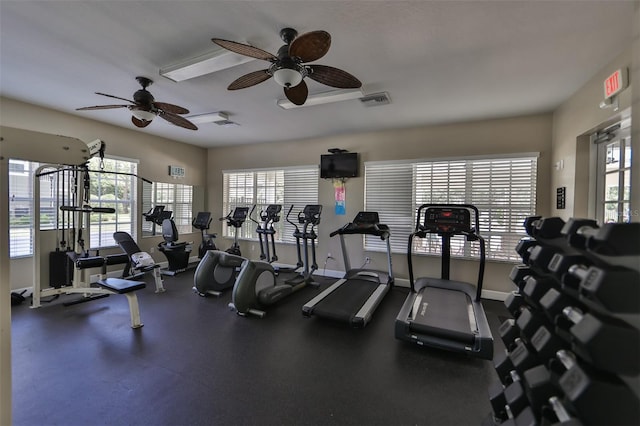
column 355, row 297
column 440, row 312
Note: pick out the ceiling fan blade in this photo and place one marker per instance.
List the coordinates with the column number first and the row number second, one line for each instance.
column 333, row 77
column 115, row 97
column 177, row 120
column 249, row 80
column 244, row 49
column 310, row 46
column 139, row 123
column 297, row 94
column 170, row 108
column 101, row 107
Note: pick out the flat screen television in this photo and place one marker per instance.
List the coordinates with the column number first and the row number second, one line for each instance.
column 342, row 165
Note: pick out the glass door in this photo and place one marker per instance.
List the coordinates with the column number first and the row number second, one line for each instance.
column 613, row 183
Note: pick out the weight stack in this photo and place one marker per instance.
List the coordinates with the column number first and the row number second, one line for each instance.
column 60, row 269
column 573, row 343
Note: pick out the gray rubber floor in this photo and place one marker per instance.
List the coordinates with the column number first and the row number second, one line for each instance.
column 196, row 363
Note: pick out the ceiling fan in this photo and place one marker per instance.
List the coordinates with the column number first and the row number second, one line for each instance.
column 144, row 108
column 288, row 68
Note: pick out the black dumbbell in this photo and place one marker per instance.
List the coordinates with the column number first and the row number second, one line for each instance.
column 524, row 246
column 546, row 344
column 516, row 397
column 554, row 301
column 498, row 401
column 599, row 398
column 523, row 357
column 539, row 387
column 514, row 303
column 616, row 239
column 614, row 290
column 561, row 262
column 509, row 332
column 609, row 344
column 559, row 415
column 529, row 321
column 570, row 231
column 530, row 223
column 518, row 274
column 540, row 256
column 535, row 288
column 548, row 228
column 503, row 366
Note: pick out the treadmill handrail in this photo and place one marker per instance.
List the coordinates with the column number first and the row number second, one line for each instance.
column 471, row 235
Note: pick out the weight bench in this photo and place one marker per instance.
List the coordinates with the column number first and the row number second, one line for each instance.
column 126, row 287
column 134, row 269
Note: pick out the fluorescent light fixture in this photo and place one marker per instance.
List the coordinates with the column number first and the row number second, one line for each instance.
column 324, row 98
column 211, row 117
column 204, row 64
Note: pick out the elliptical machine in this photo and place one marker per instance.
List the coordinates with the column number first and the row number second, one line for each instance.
column 265, row 228
column 309, row 218
column 202, row 222
column 257, row 286
column 235, row 219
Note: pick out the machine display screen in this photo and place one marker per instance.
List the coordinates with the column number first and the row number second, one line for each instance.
column 447, row 219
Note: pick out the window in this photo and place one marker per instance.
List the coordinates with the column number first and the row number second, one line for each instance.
column 114, row 187
column 56, row 189
column 175, row 197
column 297, row 186
column 21, row 207
column 503, row 189
column 613, row 178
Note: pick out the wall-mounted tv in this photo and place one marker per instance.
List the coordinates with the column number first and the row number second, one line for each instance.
column 342, row 165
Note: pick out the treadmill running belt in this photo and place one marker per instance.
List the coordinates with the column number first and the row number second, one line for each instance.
column 444, row 313
column 345, row 302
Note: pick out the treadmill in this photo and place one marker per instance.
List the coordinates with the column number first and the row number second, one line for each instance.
column 443, row 313
column 355, row 297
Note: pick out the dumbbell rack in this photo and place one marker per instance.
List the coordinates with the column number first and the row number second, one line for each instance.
column 573, row 344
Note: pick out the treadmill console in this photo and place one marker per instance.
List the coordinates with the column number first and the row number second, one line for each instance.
column 446, row 220
column 364, row 223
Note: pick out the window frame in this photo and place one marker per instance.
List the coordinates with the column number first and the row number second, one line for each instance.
column 99, row 238
column 622, row 202
column 303, row 189
column 401, row 182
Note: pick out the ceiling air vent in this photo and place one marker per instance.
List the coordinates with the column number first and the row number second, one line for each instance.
column 376, row 99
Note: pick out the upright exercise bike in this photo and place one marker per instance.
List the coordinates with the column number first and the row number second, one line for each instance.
column 236, row 219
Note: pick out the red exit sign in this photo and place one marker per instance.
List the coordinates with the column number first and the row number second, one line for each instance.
column 615, row 83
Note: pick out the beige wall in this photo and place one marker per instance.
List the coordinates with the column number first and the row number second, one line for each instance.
column 503, row 136
column 573, row 122
column 155, row 154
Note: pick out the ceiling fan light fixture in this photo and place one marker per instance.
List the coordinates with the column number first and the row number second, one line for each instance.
column 287, row 77
column 143, row 115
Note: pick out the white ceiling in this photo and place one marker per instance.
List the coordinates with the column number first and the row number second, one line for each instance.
column 440, row 61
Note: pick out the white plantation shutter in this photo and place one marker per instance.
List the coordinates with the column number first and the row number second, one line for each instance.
column 286, row 186
column 389, row 191
column 503, row 189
